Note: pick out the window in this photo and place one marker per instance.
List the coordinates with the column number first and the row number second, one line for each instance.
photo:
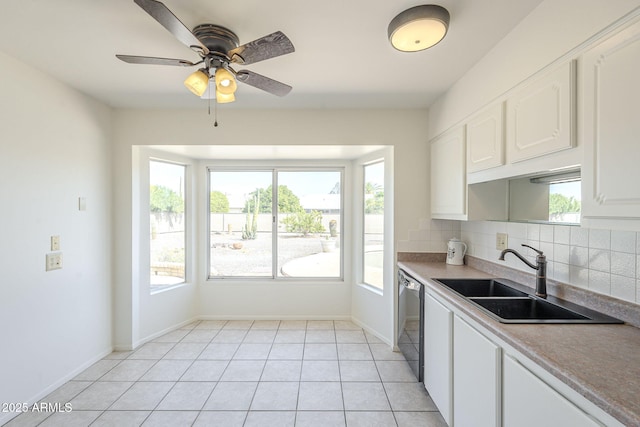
column 564, row 202
column 548, row 198
column 275, row 223
column 373, row 266
column 240, row 224
column 167, row 223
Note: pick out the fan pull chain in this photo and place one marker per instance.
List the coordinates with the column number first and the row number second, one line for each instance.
column 215, row 108
column 215, row 112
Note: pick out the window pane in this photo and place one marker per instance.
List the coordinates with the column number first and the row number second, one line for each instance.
column 167, row 209
column 373, row 224
column 309, row 214
column 564, row 202
column 240, row 224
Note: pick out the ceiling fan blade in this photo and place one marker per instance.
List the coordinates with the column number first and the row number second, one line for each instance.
column 131, row 59
column 266, row 47
column 261, row 82
column 167, row 19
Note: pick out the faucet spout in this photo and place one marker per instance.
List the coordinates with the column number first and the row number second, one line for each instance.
column 523, row 259
column 540, row 267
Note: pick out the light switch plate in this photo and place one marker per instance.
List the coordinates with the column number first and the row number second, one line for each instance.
column 55, row 243
column 501, row 241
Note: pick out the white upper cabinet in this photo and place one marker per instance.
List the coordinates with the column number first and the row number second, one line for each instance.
column 540, row 116
column 611, row 126
column 485, row 139
column 449, row 175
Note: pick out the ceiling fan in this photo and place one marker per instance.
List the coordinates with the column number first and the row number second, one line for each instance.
column 218, row 47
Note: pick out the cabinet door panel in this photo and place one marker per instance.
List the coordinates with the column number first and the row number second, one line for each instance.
column 448, row 175
column 438, row 330
column 611, row 126
column 530, row 402
column 540, row 117
column 485, row 139
column 476, row 378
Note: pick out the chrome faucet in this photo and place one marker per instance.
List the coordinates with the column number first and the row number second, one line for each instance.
column 540, row 267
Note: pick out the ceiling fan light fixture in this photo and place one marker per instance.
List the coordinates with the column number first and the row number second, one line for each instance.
column 222, row 98
column 197, row 82
column 418, row 28
column 225, row 82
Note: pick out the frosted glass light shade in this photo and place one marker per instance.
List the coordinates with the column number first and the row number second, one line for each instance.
column 222, row 98
column 418, row 28
column 197, row 82
column 225, row 83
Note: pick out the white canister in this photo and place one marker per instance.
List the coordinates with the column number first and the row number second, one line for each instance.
column 455, row 252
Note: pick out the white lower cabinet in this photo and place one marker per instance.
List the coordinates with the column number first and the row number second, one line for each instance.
column 438, row 332
column 476, row 378
column 530, row 402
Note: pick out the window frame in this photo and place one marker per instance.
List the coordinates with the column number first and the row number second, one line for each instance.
column 143, row 155
column 363, row 253
column 275, row 167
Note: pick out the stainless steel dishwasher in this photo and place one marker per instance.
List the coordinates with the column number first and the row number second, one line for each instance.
column 411, row 322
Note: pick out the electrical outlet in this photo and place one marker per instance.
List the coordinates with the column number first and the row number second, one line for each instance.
column 54, row 261
column 55, row 243
column 501, row 241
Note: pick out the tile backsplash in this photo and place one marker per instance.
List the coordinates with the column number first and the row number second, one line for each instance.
column 431, row 235
column 604, row 261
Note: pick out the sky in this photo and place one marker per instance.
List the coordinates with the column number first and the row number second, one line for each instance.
column 569, row 189
column 241, row 183
column 300, row 183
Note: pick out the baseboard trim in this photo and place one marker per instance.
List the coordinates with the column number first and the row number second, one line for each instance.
column 6, row 417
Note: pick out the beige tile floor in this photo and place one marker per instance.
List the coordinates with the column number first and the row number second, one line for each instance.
column 247, row 373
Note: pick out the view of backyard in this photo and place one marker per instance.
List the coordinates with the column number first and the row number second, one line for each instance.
column 242, row 242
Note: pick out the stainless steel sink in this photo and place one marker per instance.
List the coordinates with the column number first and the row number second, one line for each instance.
column 527, row 308
column 481, row 288
column 511, row 302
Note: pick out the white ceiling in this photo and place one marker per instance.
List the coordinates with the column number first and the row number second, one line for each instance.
column 342, row 59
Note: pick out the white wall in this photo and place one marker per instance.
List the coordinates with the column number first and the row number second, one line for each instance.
column 54, row 148
column 405, row 130
column 602, row 260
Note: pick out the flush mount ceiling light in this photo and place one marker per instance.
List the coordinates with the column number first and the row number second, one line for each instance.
column 418, row 28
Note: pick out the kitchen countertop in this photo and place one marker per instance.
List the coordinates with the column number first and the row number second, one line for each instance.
column 601, row 362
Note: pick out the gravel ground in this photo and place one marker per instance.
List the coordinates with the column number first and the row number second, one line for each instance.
column 254, row 257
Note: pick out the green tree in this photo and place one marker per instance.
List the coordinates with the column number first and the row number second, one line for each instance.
column 303, row 222
column 218, row 202
column 287, row 201
column 371, row 188
column 560, row 204
column 375, row 204
column 163, row 199
column 164, row 202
